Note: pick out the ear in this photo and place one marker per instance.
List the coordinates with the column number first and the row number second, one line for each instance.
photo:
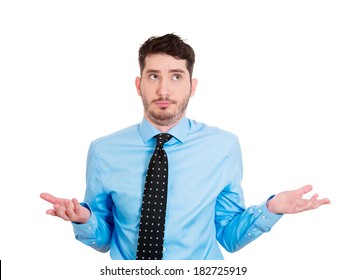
column 137, row 85
column 193, row 86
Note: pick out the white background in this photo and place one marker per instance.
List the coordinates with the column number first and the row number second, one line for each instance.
column 272, row 72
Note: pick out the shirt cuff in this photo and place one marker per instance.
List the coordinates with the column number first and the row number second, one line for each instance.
column 266, row 220
column 87, row 229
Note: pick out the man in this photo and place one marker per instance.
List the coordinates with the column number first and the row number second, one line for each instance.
column 204, row 201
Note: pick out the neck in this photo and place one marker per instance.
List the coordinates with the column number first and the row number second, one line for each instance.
column 161, row 128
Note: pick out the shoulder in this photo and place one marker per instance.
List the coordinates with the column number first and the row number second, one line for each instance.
column 200, row 129
column 125, row 135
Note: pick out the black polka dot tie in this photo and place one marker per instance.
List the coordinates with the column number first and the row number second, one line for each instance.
column 152, row 219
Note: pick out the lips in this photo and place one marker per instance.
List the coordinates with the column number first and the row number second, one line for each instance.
column 162, row 104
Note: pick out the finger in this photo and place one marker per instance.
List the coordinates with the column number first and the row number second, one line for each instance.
column 76, row 205
column 81, row 212
column 51, row 212
column 326, row 201
column 48, row 197
column 60, row 211
column 311, row 202
column 70, row 210
column 314, row 203
column 305, row 189
column 75, row 202
column 320, row 202
column 314, row 197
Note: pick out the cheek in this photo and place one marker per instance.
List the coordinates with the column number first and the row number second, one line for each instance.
column 146, row 96
column 184, row 86
column 182, row 90
column 147, row 88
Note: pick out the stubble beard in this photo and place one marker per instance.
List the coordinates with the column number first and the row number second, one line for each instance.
column 164, row 116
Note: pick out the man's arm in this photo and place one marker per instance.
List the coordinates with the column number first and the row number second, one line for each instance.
column 92, row 220
column 240, row 227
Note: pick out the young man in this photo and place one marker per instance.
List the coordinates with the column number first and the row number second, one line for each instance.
column 202, row 176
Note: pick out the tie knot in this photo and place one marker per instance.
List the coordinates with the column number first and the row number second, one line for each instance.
column 162, row 138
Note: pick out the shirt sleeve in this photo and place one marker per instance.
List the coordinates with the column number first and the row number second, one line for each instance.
column 97, row 232
column 237, row 225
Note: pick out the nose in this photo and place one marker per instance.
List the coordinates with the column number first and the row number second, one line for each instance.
column 163, row 88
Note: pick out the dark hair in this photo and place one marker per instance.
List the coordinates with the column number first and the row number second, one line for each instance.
column 169, row 44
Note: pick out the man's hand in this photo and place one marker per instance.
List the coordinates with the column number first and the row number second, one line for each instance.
column 290, row 202
column 69, row 210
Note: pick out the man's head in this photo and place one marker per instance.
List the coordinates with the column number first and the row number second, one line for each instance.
column 166, row 84
column 169, row 44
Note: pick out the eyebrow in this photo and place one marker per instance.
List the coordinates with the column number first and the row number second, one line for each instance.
column 178, row 70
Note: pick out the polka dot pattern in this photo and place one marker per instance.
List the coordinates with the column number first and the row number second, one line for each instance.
column 152, row 219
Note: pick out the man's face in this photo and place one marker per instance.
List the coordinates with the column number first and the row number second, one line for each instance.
column 165, row 88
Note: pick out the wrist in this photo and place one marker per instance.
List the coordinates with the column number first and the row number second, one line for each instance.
column 270, row 204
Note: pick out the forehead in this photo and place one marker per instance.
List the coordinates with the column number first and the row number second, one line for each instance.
column 163, row 62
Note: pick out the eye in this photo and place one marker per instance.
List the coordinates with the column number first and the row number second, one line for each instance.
column 176, row 77
column 153, row 76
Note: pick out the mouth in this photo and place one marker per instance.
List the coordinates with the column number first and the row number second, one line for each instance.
column 163, row 104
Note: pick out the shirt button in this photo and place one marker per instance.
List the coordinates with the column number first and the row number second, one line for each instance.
column 249, row 234
column 93, row 242
column 260, row 210
column 164, row 249
column 263, row 216
column 89, row 228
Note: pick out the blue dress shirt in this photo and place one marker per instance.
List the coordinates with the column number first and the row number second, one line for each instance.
column 205, row 205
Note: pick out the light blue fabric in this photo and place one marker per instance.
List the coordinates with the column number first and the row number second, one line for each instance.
column 205, row 199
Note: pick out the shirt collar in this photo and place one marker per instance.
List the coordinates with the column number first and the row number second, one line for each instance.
column 179, row 131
